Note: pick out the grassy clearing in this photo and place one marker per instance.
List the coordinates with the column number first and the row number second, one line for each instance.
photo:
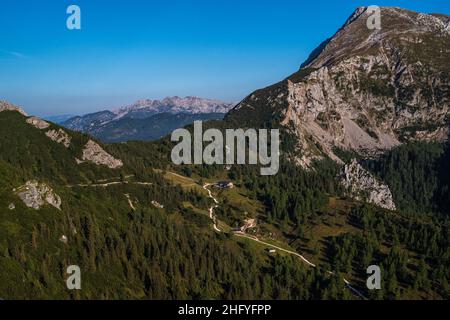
column 183, row 181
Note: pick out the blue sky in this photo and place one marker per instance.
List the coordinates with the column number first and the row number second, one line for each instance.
column 128, row 50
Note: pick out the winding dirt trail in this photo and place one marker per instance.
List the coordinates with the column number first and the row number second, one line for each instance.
column 253, row 238
column 105, row 185
column 211, row 210
column 243, row 235
column 130, row 202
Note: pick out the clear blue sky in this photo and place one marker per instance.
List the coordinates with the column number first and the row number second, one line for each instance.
column 135, row 49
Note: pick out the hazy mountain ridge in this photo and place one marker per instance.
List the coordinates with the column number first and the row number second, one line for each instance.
column 136, row 121
column 59, row 119
column 190, row 104
column 148, row 129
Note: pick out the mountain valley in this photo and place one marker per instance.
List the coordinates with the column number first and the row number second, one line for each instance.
column 364, row 180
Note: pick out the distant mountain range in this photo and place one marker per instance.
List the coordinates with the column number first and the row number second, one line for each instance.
column 192, row 105
column 59, row 118
column 148, row 119
column 147, row 129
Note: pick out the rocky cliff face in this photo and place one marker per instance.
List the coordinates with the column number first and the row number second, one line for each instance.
column 6, row 106
column 38, row 123
column 92, row 152
column 365, row 90
column 361, row 185
column 35, row 195
column 59, row 136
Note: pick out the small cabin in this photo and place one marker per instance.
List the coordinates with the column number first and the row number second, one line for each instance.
column 225, row 185
column 157, row 204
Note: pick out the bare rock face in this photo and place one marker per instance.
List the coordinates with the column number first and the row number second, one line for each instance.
column 248, row 224
column 35, row 195
column 364, row 90
column 94, row 153
column 38, row 123
column 361, row 185
column 59, row 136
column 6, row 106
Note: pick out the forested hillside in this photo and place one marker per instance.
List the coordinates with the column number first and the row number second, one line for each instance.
column 364, row 122
column 418, row 175
column 308, row 212
column 125, row 246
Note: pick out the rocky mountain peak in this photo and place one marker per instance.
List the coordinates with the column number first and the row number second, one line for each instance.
column 175, row 104
column 355, row 38
column 129, row 120
column 355, row 15
column 364, row 90
column 6, row 106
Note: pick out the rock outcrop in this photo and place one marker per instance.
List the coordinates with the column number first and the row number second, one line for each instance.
column 92, row 152
column 361, row 185
column 35, row 195
column 6, row 106
column 59, row 136
column 248, row 224
column 38, row 123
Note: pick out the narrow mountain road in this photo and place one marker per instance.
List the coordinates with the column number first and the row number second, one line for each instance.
column 130, row 202
column 105, row 185
column 243, row 235
column 211, row 210
column 253, row 238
